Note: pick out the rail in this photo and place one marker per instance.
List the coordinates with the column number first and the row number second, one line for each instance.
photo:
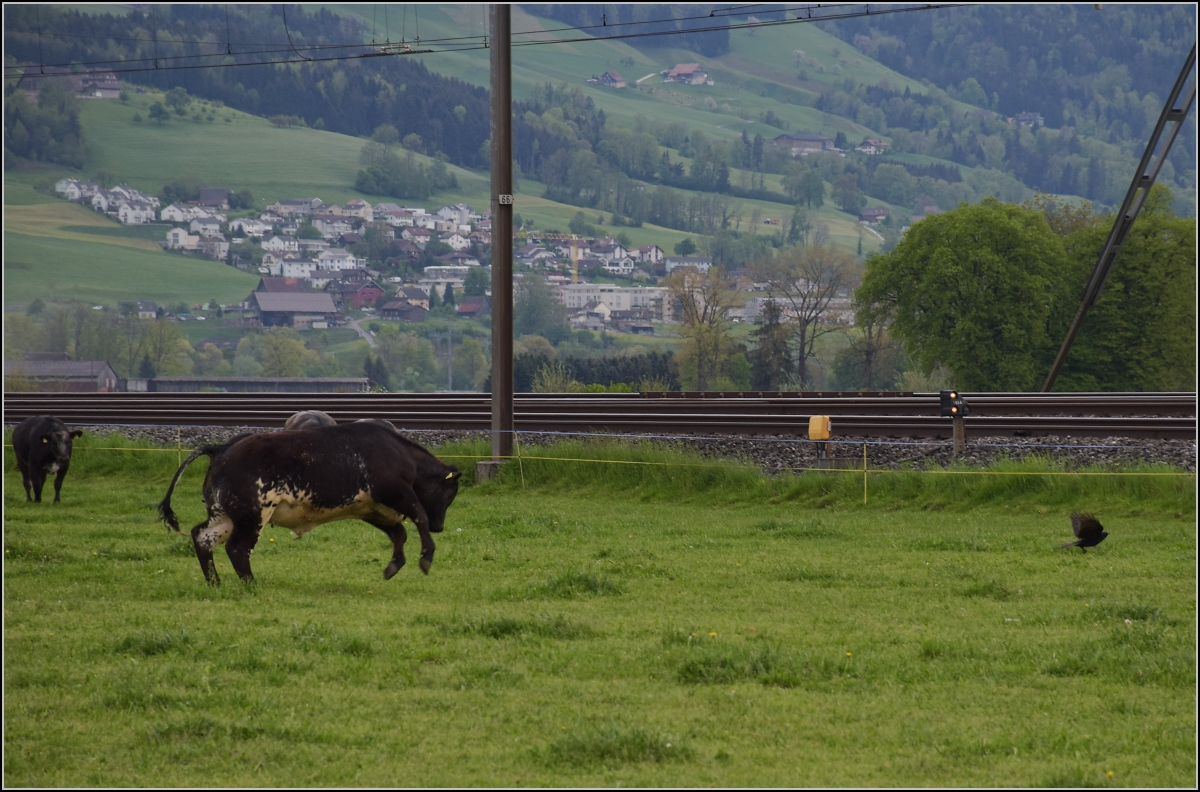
column 879, row 415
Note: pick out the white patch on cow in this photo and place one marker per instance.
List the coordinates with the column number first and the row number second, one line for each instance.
column 294, row 509
column 216, row 532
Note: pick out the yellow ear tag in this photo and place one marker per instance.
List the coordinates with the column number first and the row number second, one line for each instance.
column 449, row 476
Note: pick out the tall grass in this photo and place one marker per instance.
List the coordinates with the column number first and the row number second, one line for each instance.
column 651, row 471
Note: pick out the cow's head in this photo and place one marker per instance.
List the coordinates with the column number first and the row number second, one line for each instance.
column 439, row 494
column 58, row 443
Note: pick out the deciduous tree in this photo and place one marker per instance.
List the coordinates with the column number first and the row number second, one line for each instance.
column 1141, row 333
column 702, row 302
column 804, row 281
column 974, row 289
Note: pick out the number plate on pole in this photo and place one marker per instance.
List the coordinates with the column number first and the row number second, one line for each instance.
column 506, row 199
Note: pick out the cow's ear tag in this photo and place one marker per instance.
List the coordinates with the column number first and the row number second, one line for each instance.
column 449, row 476
column 45, row 439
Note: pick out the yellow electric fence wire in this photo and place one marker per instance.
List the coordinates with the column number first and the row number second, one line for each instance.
column 864, row 470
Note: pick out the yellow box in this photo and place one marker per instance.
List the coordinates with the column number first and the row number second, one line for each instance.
column 818, row 427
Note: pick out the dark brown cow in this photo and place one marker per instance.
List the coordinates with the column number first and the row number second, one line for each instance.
column 303, row 478
column 42, row 445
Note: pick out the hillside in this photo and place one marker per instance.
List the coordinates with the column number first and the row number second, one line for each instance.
column 797, row 78
column 240, row 152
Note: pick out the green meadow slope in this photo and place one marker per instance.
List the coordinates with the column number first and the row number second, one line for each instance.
column 244, row 152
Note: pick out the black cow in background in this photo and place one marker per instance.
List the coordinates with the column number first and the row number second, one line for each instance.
column 303, row 478
column 42, row 445
column 309, row 419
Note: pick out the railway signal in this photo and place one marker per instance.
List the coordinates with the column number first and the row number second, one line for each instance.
column 954, row 405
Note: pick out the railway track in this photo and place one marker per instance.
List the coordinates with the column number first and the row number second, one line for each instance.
column 883, row 415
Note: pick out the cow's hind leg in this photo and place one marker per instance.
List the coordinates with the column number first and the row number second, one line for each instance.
column 206, row 536
column 240, row 545
column 394, row 528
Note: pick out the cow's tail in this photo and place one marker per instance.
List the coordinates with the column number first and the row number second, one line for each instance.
column 165, row 512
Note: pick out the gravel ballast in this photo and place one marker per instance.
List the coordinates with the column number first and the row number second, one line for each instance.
column 776, row 454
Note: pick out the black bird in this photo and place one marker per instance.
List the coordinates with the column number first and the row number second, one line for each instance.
column 1088, row 531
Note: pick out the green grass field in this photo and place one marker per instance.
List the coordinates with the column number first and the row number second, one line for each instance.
column 642, row 618
column 105, row 274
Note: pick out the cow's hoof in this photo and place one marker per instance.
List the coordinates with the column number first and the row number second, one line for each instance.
column 391, row 570
column 425, row 564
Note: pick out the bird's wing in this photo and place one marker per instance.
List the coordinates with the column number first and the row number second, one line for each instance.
column 1085, row 525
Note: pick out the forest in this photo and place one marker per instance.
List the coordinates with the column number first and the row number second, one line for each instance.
column 1098, row 81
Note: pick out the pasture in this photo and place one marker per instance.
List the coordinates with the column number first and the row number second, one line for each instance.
column 642, row 619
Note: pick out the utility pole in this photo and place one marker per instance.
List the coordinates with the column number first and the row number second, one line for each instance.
column 500, row 24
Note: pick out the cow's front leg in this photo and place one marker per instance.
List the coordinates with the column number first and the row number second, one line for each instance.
column 39, row 480
column 404, row 501
column 58, row 480
column 394, row 528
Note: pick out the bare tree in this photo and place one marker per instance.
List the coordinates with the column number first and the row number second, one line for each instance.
column 804, row 281
column 702, row 302
column 133, row 338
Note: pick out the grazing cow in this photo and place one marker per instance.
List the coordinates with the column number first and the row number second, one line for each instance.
column 308, row 419
column 42, row 445
column 307, row 477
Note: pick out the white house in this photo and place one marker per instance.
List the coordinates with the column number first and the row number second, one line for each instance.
column 700, row 263
column 421, row 236
column 174, row 213
column 311, row 247
column 297, row 268
column 106, row 201
column 332, row 227
column 456, row 241
column 396, row 217
column 336, row 259
column 458, row 214
column 135, row 213
column 618, row 298
column 206, row 213
column 649, row 253
column 299, row 206
column 250, row 227
column 179, row 238
column 608, row 248
column 281, row 244
column 74, row 190
column 622, row 265
column 437, row 277
column 214, row 246
column 205, row 226
column 359, row 208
